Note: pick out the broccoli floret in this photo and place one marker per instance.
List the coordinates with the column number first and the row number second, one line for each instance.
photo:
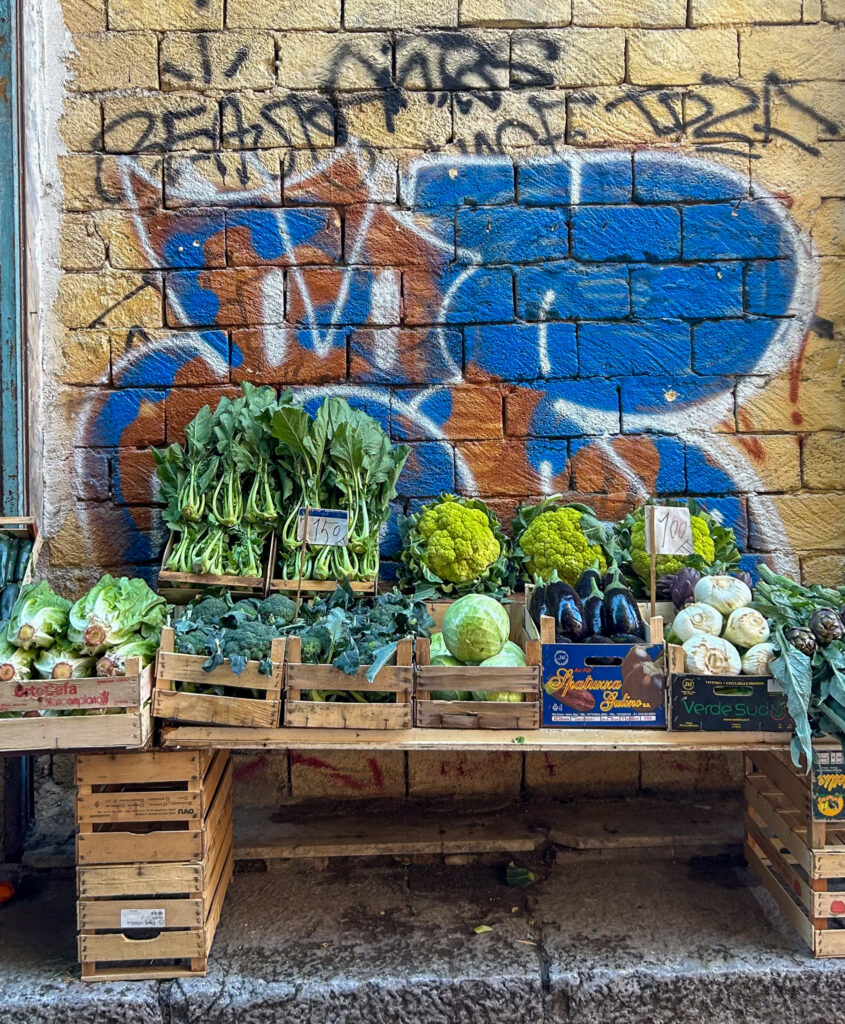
column 195, row 641
column 210, row 610
column 251, row 640
column 278, row 608
column 312, row 649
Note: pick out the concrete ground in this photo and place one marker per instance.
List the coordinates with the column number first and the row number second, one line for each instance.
column 630, row 939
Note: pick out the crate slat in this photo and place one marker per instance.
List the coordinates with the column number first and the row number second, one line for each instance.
column 106, row 914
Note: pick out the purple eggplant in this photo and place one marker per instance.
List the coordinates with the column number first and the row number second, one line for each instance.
column 584, row 585
column 568, row 611
column 620, row 610
column 594, row 610
column 537, row 603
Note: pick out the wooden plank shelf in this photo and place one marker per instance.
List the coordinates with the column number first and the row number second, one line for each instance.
column 200, row 737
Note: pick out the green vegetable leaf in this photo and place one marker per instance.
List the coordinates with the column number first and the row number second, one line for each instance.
column 480, row 929
column 793, row 671
column 519, row 877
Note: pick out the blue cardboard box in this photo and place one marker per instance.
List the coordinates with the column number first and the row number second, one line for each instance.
column 604, row 685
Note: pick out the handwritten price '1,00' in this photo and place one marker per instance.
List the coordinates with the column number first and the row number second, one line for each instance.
column 672, row 531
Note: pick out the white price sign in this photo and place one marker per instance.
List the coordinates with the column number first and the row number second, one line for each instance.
column 328, row 527
column 672, row 531
column 142, row 918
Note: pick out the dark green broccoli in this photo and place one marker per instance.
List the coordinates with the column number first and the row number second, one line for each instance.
column 251, row 641
column 194, row 641
column 210, row 610
column 312, row 649
column 278, row 608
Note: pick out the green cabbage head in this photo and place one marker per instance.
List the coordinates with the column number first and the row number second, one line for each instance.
column 510, row 656
column 475, row 627
column 39, row 616
column 112, row 612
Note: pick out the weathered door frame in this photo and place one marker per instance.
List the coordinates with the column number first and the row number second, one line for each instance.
column 13, row 472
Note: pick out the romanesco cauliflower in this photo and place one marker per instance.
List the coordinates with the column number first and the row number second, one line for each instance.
column 459, row 541
column 457, row 544
column 666, row 564
column 554, row 541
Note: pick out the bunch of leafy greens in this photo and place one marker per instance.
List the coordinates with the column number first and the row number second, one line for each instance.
column 352, row 632
column 50, row 637
column 221, row 489
column 814, row 684
column 341, row 458
column 341, row 629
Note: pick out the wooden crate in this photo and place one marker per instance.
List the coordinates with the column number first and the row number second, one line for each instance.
column 128, row 728
column 799, row 861
column 154, row 859
column 172, row 583
column 209, row 709
column 24, row 527
column 398, row 679
column 477, row 714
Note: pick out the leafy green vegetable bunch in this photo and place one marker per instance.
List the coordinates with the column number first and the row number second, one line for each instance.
column 809, row 636
column 457, row 545
column 341, row 458
column 48, row 636
column 221, row 489
column 349, row 632
column 715, row 546
column 554, row 536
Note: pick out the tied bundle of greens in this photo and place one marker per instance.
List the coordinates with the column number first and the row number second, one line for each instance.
column 221, row 488
column 809, row 637
column 339, row 459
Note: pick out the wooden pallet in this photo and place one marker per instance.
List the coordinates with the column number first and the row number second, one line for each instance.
column 397, row 679
column 249, row 712
column 128, row 728
column 476, row 714
column 154, row 860
column 799, row 861
column 197, row 582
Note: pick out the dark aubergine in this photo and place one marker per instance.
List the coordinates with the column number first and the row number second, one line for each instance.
column 597, row 638
column 565, row 606
column 537, row 606
column 584, row 586
column 594, row 610
column 627, row 638
column 620, row 609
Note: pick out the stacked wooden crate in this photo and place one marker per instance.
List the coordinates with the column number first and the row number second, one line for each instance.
column 801, row 862
column 154, row 859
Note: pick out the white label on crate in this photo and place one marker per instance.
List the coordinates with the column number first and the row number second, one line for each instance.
column 142, row 918
column 774, row 686
column 672, row 531
column 326, row 526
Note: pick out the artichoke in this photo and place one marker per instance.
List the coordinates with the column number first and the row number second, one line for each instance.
column 802, row 639
column 826, row 625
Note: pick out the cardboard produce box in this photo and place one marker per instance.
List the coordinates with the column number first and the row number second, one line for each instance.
column 699, row 703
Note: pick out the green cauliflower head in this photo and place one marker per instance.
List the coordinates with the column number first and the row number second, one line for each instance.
column 553, row 541
column 457, row 544
column 459, row 541
column 702, row 542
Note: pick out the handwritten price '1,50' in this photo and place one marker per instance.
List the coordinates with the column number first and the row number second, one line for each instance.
column 327, row 527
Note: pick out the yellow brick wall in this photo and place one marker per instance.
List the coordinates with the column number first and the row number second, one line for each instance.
column 180, row 115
